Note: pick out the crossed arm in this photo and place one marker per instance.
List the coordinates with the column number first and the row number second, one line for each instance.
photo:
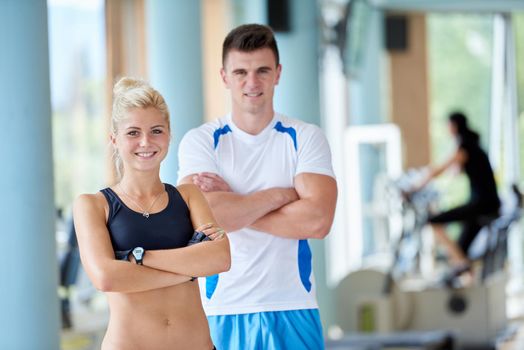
column 305, row 211
column 202, row 259
column 162, row 268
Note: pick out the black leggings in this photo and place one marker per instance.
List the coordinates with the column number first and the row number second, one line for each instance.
column 469, row 215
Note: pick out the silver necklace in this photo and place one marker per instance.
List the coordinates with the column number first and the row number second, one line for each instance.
column 145, row 212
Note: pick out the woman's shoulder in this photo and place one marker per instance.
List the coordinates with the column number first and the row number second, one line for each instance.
column 90, row 201
column 90, row 197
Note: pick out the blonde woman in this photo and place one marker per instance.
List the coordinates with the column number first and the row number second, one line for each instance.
column 133, row 236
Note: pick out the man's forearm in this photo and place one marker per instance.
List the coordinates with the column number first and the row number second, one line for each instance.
column 301, row 219
column 309, row 217
column 233, row 211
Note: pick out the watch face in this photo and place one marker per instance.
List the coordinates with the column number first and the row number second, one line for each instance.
column 138, row 251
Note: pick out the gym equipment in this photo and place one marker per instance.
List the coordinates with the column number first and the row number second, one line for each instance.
column 388, row 304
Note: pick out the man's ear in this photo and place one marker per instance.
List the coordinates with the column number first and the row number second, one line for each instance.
column 279, row 71
column 224, row 77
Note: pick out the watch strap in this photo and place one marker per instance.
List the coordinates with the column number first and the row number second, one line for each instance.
column 122, row 254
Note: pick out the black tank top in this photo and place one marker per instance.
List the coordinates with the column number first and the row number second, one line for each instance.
column 170, row 228
column 480, row 174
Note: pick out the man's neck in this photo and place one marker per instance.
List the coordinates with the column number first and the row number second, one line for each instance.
column 252, row 123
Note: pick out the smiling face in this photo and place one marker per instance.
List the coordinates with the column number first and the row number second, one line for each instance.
column 251, row 77
column 142, row 139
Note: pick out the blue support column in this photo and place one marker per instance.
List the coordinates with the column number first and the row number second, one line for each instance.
column 297, row 94
column 367, row 106
column 251, row 11
column 175, row 68
column 29, row 317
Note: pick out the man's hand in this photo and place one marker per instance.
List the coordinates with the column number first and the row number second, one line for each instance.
column 235, row 211
column 210, row 182
column 212, row 231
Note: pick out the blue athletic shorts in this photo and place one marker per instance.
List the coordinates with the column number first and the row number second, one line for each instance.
column 277, row 330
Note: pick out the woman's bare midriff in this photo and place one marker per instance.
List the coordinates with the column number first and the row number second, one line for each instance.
column 167, row 318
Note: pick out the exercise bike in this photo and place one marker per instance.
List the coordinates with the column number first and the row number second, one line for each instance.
column 464, row 317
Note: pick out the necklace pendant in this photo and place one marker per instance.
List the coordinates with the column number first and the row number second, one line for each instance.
column 145, row 214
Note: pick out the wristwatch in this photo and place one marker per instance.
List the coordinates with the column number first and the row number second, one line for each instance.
column 138, row 254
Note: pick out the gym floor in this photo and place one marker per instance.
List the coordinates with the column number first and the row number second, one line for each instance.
column 90, row 320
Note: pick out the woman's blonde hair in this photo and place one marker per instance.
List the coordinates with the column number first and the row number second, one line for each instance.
column 129, row 93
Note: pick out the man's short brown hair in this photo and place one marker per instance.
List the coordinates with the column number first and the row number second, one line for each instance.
column 248, row 38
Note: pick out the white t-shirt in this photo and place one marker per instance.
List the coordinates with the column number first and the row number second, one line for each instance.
column 268, row 273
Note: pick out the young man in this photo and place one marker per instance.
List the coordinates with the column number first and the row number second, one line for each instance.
column 270, row 183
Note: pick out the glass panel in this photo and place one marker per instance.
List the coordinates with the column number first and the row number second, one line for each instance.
column 77, row 59
column 77, row 69
column 460, row 60
column 374, row 226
